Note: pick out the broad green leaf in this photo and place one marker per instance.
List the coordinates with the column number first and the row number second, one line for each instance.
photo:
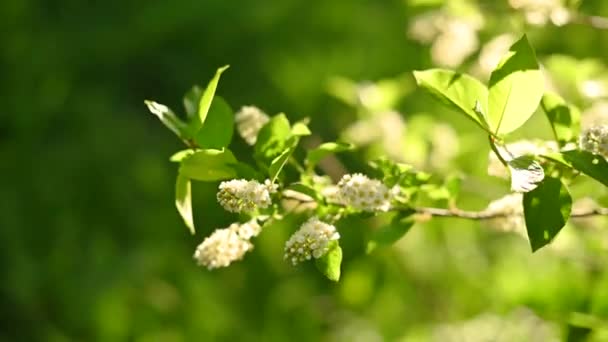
column 219, row 126
column 329, row 264
column 586, row 162
column 546, row 211
column 564, row 119
column 191, row 101
column 168, row 118
column 243, row 170
column 205, row 100
column 391, row 233
column 526, row 173
column 178, row 156
column 460, row 92
column 183, row 200
column 515, row 89
column 272, row 138
column 300, row 129
column 315, row 155
column 209, row 165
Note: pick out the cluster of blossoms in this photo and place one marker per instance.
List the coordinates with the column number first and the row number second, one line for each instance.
column 226, row 245
column 249, row 120
column 310, row 241
column 517, row 149
column 595, row 140
column 453, row 38
column 363, row 193
column 510, row 206
column 240, row 195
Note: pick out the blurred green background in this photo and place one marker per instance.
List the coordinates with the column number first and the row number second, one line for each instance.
column 94, row 250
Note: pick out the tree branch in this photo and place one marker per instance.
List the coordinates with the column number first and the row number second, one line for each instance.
column 491, row 214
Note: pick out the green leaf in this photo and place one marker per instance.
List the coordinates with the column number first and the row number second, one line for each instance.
column 209, row 165
column 391, row 233
column 515, row 89
column 300, row 129
column 272, row 138
column 564, row 119
column 329, row 264
column 205, row 100
column 178, row 156
column 592, row 165
column 219, row 126
column 168, row 118
column 459, row 92
column 191, row 101
column 183, row 200
column 546, row 211
column 315, row 155
column 526, row 173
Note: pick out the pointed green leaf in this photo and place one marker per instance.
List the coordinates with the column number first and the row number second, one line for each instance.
column 168, row 118
column 300, row 129
column 315, row 155
column 219, row 126
column 515, row 89
column 209, row 165
column 183, row 200
column 586, row 162
column 459, row 92
column 546, row 211
column 279, row 162
column 272, row 138
column 564, row 119
column 207, row 96
column 391, row 233
column 526, row 173
column 329, row 264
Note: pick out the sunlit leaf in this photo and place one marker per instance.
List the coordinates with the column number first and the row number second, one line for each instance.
column 515, row 89
column 526, row 173
column 191, row 101
column 209, row 165
column 329, row 264
column 592, row 165
column 207, row 96
column 459, row 92
column 183, row 200
column 546, row 211
column 177, row 157
column 168, row 118
column 272, row 138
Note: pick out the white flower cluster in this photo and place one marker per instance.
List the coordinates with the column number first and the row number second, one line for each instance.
column 310, row 241
column 363, row 193
column 511, row 207
column 240, row 195
column 249, row 120
column 453, row 38
column 595, row 139
column 539, row 12
column 517, row 149
column 226, row 245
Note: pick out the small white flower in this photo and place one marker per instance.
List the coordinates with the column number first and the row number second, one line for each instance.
column 249, row 120
column 363, row 193
column 221, row 248
column 518, row 149
column 247, row 230
column 595, row 140
column 240, row 195
column 310, row 241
